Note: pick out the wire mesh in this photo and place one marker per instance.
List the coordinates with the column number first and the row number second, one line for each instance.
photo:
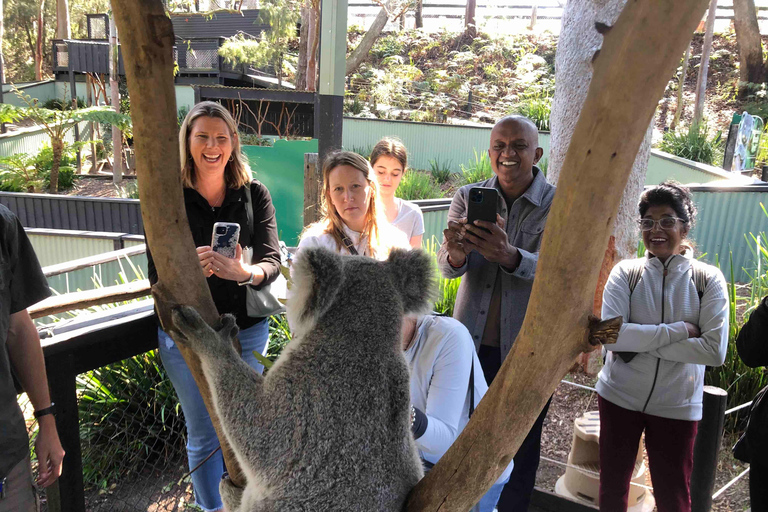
column 132, row 438
column 202, row 59
column 98, row 26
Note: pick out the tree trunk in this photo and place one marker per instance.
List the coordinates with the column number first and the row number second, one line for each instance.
column 701, row 82
column 301, row 67
column 147, row 45
column 313, row 35
column 2, row 36
column 638, row 56
column 680, row 89
column 39, row 45
column 57, row 147
column 419, row 13
column 470, row 27
column 575, row 50
column 748, row 41
column 360, row 53
column 63, row 30
column 114, row 92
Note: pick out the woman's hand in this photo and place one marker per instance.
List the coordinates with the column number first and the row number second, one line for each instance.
column 693, row 330
column 231, row 269
column 205, row 255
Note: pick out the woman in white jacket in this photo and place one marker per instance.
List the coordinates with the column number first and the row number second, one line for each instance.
column 675, row 311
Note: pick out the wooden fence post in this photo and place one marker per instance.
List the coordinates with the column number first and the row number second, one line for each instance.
column 66, row 494
column 706, row 448
column 313, row 186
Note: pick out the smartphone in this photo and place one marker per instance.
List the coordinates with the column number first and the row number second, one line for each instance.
column 482, row 204
column 225, row 238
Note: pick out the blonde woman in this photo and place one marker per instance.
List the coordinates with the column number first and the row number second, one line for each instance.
column 353, row 220
column 218, row 187
column 389, row 160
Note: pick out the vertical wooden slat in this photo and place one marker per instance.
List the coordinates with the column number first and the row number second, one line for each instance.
column 90, row 217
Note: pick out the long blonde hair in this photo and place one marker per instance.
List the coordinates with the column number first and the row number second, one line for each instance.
column 332, row 222
column 236, row 173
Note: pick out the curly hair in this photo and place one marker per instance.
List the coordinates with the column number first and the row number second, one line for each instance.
column 672, row 194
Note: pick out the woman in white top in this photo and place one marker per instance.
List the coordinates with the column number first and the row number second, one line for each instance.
column 675, row 311
column 389, row 160
column 353, row 220
column 447, row 383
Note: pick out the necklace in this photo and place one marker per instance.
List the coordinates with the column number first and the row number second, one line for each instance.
column 219, row 200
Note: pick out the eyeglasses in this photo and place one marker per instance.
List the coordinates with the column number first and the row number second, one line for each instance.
column 665, row 223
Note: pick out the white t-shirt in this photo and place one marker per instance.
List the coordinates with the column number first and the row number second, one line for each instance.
column 409, row 219
column 440, row 359
column 318, row 237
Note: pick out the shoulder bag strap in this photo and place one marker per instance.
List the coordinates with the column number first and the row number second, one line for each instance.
column 635, row 273
column 349, row 245
column 472, row 386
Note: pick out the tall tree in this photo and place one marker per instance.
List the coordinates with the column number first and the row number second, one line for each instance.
column 419, row 13
column 749, row 43
column 313, row 42
column 2, row 38
column 63, row 30
column 301, row 67
column 470, row 25
column 39, row 45
column 573, row 64
column 360, row 53
column 701, row 82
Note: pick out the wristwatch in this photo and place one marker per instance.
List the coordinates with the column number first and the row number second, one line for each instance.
column 247, row 281
column 44, row 412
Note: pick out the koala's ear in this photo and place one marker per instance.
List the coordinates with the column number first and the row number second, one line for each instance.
column 316, row 274
column 413, row 273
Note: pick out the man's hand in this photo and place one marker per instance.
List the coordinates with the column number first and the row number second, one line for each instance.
column 49, row 451
column 454, row 242
column 491, row 240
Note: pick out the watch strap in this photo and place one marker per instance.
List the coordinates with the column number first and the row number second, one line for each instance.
column 44, row 412
column 247, row 281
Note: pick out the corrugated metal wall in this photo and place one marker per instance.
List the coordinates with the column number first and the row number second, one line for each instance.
column 724, row 217
column 51, row 249
column 456, row 145
column 75, row 212
column 219, row 24
column 31, row 141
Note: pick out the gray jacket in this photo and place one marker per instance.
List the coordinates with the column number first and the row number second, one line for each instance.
column 525, row 225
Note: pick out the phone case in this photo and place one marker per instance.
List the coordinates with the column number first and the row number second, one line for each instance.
column 226, row 243
column 482, row 204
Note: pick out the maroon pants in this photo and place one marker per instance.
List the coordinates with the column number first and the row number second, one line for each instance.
column 669, row 444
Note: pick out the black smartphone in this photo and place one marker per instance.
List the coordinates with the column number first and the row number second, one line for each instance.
column 482, row 204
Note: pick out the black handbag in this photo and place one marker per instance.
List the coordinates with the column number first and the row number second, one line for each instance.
column 754, row 440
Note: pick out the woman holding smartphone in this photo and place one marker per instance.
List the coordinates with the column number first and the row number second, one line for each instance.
column 353, row 221
column 389, row 160
column 218, row 188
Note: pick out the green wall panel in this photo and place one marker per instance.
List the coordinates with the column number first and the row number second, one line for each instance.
column 281, row 169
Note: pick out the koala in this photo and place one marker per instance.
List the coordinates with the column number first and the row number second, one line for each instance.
column 328, row 428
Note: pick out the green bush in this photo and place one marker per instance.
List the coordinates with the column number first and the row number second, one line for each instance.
column 417, row 185
column 477, row 170
column 441, row 171
column 251, row 139
column 32, row 173
column 62, row 104
column 536, row 107
column 693, row 144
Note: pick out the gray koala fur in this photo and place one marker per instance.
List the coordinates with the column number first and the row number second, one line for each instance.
column 328, row 428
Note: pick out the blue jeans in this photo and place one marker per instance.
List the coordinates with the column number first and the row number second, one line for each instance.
column 488, row 502
column 201, row 437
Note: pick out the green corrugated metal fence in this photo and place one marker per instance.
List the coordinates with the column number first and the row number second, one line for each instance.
column 31, row 141
column 456, row 144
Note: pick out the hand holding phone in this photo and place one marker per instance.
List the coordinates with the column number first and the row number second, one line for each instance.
column 225, row 237
column 482, row 205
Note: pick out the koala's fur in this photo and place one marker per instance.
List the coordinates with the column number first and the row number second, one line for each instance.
column 328, row 428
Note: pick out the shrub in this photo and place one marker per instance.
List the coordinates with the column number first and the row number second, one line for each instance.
column 441, row 171
column 447, row 288
column 536, row 107
column 24, row 173
column 251, row 139
column 62, row 104
column 477, row 170
column 417, row 185
column 692, row 144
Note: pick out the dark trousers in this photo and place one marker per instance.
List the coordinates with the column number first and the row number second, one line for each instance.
column 516, row 495
column 758, row 485
column 669, row 444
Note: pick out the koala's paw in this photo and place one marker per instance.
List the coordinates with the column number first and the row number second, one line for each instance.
column 192, row 331
column 230, row 495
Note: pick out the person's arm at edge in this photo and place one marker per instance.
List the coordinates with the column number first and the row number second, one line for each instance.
column 752, row 341
column 26, row 357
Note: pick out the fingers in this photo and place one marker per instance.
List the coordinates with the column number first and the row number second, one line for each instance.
column 239, row 253
column 500, row 221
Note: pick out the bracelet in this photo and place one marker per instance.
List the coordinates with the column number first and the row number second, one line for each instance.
column 413, row 415
column 48, row 410
column 247, row 281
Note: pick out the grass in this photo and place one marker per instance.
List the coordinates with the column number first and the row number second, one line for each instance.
column 417, row 185
column 441, row 171
column 477, row 170
column 693, row 144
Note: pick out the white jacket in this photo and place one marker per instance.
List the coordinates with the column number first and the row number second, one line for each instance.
column 666, row 377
